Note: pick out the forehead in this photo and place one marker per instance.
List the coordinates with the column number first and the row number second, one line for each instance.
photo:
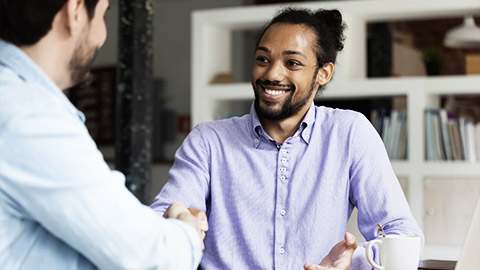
column 288, row 37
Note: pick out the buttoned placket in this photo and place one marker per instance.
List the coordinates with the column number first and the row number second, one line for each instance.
column 281, row 213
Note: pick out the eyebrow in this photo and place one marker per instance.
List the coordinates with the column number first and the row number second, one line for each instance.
column 265, row 49
column 294, row 53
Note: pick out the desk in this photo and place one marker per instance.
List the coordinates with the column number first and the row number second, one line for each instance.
column 437, row 265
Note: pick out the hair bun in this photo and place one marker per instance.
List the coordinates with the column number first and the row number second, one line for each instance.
column 332, row 19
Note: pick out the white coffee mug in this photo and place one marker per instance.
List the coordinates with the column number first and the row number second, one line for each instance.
column 397, row 252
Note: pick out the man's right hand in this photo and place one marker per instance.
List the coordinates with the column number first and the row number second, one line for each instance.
column 340, row 256
column 191, row 216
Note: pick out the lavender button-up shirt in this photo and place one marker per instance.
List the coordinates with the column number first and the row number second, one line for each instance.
column 277, row 206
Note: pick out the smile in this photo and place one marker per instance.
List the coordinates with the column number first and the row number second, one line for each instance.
column 274, row 92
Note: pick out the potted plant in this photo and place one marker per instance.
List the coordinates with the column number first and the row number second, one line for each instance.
column 433, row 59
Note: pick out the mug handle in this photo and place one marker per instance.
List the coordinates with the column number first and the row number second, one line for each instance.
column 368, row 252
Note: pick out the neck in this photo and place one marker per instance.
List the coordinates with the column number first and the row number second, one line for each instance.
column 280, row 130
column 50, row 59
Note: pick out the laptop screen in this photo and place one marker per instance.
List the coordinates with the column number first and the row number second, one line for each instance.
column 470, row 254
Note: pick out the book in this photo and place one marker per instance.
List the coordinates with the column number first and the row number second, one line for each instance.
column 470, row 140
column 394, row 133
column 477, row 140
column 386, row 132
column 445, row 134
column 439, row 150
column 403, row 138
column 429, row 136
column 455, row 139
column 463, row 137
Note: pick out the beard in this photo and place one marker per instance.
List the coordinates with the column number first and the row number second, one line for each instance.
column 81, row 63
column 288, row 108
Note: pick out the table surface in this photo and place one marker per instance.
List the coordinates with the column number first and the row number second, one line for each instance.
column 437, row 265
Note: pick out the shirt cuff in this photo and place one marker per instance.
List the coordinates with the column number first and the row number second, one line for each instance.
column 194, row 241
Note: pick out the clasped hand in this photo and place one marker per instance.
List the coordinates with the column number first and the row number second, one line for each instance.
column 191, row 216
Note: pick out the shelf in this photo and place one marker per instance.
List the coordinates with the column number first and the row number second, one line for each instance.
column 443, row 169
column 360, row 88
column 230, row 91
column 451, row 169
column 444, row 252
column 376, row 87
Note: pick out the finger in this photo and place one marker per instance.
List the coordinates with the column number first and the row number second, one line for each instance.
column 201, row 217
column 309, row 266
column 202, row 238
column 351, row 241
column 175, row 209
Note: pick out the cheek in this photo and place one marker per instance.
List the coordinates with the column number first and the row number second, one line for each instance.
column 256, row 73
column 103, row 33
column 99, row 34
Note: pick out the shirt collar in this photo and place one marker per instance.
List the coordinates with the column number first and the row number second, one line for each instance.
column 20, row 63
column 305, row 128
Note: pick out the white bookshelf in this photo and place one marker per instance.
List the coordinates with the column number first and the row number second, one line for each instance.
column 212, row 54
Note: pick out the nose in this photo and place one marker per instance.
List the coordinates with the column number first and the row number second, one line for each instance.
column 275, row 72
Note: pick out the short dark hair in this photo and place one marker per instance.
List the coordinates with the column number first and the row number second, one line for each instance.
column 24, row 22
column 327, row 25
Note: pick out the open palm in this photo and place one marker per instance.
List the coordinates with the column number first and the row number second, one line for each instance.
column 339, row 257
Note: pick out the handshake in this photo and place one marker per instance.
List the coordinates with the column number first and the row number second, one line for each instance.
column 192, row 216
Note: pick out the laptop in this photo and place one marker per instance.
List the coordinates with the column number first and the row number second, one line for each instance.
column 470, row 254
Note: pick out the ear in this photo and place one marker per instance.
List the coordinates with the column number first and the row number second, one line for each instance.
column 76, row 14
column 325, row 73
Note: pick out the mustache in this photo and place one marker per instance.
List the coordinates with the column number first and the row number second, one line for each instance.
column 274, row 83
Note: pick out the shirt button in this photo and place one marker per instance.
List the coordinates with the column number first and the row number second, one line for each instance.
column 306, row 136
column 283, row 169
column 284, row 160
column 284, row 151
column 282, row 250
column 283, row 212
column 256, row 140
column 282, row 177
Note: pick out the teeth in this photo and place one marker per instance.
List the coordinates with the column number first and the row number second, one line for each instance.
column 274, row 92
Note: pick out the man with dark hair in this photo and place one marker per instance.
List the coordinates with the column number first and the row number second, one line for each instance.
column 61, row 207
column 279, row 184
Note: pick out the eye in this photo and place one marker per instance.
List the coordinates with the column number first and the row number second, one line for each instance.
column 261, row 60
column 293, row 64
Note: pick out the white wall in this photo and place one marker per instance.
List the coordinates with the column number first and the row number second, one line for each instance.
column 172, row 53
column 171, row 45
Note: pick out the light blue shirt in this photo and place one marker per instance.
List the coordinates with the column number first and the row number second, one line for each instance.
column 61, row 207
column 278, row 206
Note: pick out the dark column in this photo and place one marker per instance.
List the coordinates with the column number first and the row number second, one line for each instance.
column 134, row 91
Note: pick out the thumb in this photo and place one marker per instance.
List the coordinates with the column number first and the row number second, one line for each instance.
column 351, row 241
column 201, row 218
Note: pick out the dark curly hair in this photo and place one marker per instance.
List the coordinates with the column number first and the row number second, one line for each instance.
column 24, row 22
column 327, row 25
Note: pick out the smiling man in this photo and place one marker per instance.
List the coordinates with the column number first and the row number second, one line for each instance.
column 279, row 184
column 61, row 207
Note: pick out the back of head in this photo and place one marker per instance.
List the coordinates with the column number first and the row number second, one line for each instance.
column 24, row 22
column 327, row 25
